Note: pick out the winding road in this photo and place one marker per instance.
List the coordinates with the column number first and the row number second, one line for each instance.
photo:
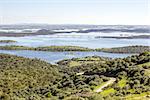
column 111, row 81
column 100, row 89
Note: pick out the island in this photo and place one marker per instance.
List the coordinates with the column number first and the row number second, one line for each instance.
column 126, row 37
column 126, row 49
column 7, row 41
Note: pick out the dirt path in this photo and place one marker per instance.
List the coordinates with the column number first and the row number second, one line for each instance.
column 81, row 73
column 100, row 89
column 111, row 81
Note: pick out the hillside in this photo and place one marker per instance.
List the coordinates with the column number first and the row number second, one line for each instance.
column 89, row 78
column 19, row 74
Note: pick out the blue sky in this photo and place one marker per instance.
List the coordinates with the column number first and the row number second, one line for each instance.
column 75, row 11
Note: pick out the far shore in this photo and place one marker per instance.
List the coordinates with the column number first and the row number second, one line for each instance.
column 20, row 34
column 126, row 49
column 52, row 33
column 126, row 37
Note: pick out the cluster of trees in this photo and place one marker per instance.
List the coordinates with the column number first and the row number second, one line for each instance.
column 126, row 49
column 33, row 79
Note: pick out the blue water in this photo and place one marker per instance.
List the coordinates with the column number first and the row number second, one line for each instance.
column 53, row 57
column 74, row 40
column 90, row 41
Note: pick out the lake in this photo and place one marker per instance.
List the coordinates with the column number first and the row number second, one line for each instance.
column 75, row 39
column 53, row 57
column 71, row 39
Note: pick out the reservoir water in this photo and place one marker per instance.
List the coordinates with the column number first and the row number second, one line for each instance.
column 71, row 39
column 53, row 57
column 83, row 40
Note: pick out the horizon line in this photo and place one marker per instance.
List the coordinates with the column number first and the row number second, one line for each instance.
column 70, row 24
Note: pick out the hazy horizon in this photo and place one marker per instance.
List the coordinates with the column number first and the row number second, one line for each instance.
column 91, row 12
column 76, row 24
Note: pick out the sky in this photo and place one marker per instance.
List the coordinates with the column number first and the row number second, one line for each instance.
column 101, row 12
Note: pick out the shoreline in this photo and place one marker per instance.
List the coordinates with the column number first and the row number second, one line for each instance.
column 126, row 37
column 97, row 37
column 121, row 50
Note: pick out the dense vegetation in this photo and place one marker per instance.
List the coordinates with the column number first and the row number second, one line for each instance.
column 47, row 48
column 63, row 48
column 126, row 49
column 22, row 74
column 7, row 41
column 75, row 79
column 132, row 75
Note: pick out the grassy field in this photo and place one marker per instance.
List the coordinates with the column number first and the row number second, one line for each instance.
column 107, row 92
column 142, row 96
column 122, row 83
